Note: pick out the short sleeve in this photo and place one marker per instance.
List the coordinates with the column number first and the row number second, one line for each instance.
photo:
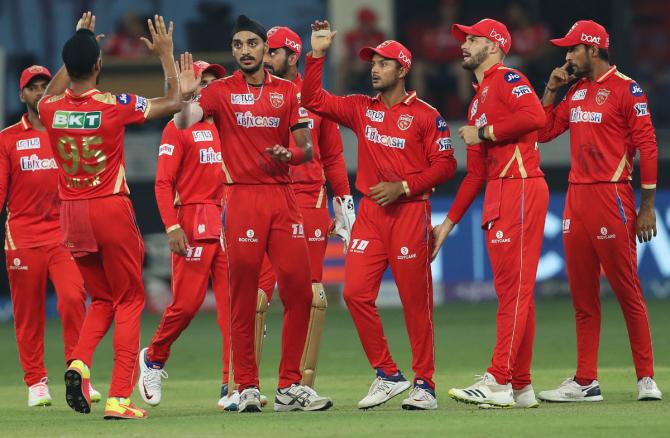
column 132, row 109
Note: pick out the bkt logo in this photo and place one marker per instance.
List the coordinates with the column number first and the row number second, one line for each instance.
column 76, row 120
column 590, row 38
column 375, row 116
column 496, row 36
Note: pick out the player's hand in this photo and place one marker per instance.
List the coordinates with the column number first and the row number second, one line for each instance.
column 440, row 233
column 469, row 134
column 646, row 225
column 161, row 36
column 187, row 79
column 177, row 241
column 345, row 216
column 87, row 21
column 385, row 193
column 559, row 77
column 322, row 38
column 279, row 153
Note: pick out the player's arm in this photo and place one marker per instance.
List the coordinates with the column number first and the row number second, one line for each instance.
column 191, row 112
column 303, row 150
column 474, row 180
column 161, row 45
column 5, row 167
column 558, row 119
column 332, row 158
column 636, row 112
column 60, row 81
column 340, row 109
column 170, row 154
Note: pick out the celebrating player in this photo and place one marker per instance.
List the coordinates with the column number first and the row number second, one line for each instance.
column 404, row 151
column 86, row 129
column 34, row 242
column 257, row 113
column 189, row 187
column 609, row 122
column 501, row 139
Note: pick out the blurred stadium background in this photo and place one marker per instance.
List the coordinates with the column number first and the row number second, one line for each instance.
column 33, row 31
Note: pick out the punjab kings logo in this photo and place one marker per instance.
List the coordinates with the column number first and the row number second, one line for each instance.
column 602, row 95
column 276, row 99
column 405, row 121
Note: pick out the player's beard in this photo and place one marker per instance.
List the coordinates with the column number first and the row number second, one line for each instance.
column 585, row 70
column 281, row 72
column 476, row 59
column 250, row 70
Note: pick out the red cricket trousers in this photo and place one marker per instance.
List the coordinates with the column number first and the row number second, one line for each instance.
column 599, row 230
column 259, row 219
column 514, row 215
column 28, row 270
column 316, row 223
column 399, row 236
column 205, row 259
column 113, row 278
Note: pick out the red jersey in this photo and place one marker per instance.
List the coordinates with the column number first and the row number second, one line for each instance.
column 29, row 178
column 189, row 169
column 408, row 142
column 86, row 133
column 252, row 119
column 609, row 122
column 309, row 178
column 506, row 100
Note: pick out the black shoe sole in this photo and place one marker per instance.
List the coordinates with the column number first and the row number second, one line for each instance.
column 249, row 409
column 74, row 396
column 412, row 408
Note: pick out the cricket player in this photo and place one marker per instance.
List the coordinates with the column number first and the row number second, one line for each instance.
column 189, row 187
column 86, row 129
column 404, row 151
column 34, row 242
column 502, row 152
column 609, row 122
column 309, row 185
column 256, row 113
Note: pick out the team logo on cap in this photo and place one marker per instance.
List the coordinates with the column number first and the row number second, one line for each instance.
column 602, row 96
column 276, row 99
column 35, row 69
column 405, row 58
column 405, row 121
column 586, row 38
column 499, row 38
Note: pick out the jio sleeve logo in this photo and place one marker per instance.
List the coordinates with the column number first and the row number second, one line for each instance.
column 635, row 89
column 512, row 77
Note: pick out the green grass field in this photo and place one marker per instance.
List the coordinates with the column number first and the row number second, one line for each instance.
column 464, row 335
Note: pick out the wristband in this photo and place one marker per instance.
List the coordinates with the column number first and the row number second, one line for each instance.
column 172, row 228
column 481, row 133
column 297, row 156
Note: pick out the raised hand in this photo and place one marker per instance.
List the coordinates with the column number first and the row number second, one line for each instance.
column 322, row 38
column 187, row 78
column 161, row 36
column 87, row 21
column 559, row 77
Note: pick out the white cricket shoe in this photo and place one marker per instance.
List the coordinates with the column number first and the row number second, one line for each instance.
column 647, row 390
column 250, row 400
column 38, row 394
column 230, row 403
column 422, row 398
column 571, row 391
column 524, row 398
column 383, row 389
column 94, row 394
column 150, row 381
column 300, row 398
column 485, row 391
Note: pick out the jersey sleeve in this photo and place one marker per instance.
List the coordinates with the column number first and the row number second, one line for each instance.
column 525, row 113
column 340, row 109
column 474, row 180
column 298, row 116
column 439, row 153
column 132, row 109
column 169, row 161
column 209, row 98
column 5, row 169
column 332, row 157
column 557, row 121
column 636, row 112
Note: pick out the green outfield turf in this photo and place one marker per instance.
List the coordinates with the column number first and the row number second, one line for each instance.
column 464, row 336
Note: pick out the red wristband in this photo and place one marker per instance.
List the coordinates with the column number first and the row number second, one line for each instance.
column 297, row 156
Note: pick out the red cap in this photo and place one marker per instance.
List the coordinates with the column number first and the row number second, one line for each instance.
column 280, row 36
column 32, row 72
column 202, row 66
column 584, row 32
column 390, row 49
column 487, row 28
